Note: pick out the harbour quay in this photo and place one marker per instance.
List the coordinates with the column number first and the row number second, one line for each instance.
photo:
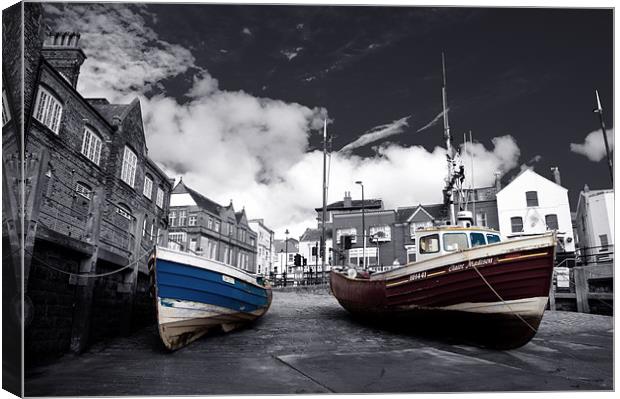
column 307, row 343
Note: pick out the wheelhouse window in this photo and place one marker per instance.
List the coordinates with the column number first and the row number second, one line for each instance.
column 551, row 221
column 148, row 187
column 6, row 114
column 516, row 224
column 83, row 190
column 477, row 239
column 493, row 238
column 531, row 198
column 454, row 242
column 128, row 172
column 429, row 244
column 91, row 145
column 160, row 197
column 48, row 110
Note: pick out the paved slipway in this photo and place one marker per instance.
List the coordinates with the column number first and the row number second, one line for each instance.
column 307, row 343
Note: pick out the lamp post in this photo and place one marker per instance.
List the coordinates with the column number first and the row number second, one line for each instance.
column 363, row 227
column 285, row 256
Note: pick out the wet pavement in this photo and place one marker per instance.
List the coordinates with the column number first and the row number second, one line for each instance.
column 307, row 343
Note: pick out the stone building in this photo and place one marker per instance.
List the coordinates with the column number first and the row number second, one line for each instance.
column 96, row 204
column 206, row 228
column 264, row 246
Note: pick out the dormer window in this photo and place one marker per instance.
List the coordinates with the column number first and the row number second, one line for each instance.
column 48, row 110
column 128, row 172
column 91, row 145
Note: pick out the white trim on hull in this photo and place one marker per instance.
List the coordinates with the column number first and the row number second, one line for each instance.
column 526, row 307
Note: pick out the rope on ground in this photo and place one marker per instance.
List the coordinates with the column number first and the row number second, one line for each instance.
column 45, row 264
column 501, row 299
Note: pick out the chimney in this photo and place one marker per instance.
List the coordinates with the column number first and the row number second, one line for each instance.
column 556, row 175
column 586, row 188
column 498, row 182
column 347, row 199
column 61, row 50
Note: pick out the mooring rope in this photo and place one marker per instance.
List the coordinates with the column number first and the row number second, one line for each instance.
column 45, row 264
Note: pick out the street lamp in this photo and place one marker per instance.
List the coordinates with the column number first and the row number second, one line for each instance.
column 285, row 256
column 363, row 227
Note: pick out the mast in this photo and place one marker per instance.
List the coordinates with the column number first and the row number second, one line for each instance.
column 473, row 186
column 322, row 250
column 446, row 134
column 599, row 111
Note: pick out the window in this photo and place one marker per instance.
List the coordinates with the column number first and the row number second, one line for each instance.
column 380, row 233
column 604, row 243
column 210, row 224
column 151, row 233
column 123, row 211
column 477, row 239
column 493, row 238
column 429, row 244
column 91, row 145
column 192, row 220
column 217, row 225
column 481, row 219
column 531, row 197
column 160, row 197
column 172, row 219
column 128, row 172
column 6, row 114
column 454, row 242
column 148, row 187
column 551, row 221
column 178, row 238
column 48, row 110
column 144, row 228
column 182, row 217
column 352, row 231
column 192, row 244
column 516, row 224
column 83, row 190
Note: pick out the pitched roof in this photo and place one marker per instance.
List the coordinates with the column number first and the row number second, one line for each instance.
column 315, row 235
column 202, row 201
column 107, row 110
column 355, row 205
column 436, row 211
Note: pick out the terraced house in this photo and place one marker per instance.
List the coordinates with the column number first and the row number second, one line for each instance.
column 205, row 228
column 96, row 204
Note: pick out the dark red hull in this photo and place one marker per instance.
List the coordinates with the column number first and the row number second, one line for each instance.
column 448, row 295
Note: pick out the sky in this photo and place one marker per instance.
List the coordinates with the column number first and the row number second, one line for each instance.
column 234, row 96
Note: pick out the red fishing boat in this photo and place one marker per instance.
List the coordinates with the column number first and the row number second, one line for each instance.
column 466, row 279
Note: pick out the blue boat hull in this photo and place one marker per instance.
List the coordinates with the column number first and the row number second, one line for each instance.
column 194, row 295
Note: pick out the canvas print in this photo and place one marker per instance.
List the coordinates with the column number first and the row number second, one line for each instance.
column 227, row 199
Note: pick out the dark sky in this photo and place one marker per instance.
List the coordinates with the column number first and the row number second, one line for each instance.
column 530, row 73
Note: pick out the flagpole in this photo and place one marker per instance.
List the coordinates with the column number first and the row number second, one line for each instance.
column 599, row 111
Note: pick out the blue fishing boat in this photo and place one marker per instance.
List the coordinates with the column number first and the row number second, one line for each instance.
column 194, row 295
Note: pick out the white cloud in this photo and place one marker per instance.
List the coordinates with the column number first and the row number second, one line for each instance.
column 124, row 54
column 230, row 144
column 378, row 133
column 593, row 146
column 246, row 31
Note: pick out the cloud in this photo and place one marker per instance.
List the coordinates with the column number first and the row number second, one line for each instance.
column 433, row 122
column 247, row 31
column 124, row 54
column 378, row 133
column 230, row 144
column 593, row 147
column 531, row 163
